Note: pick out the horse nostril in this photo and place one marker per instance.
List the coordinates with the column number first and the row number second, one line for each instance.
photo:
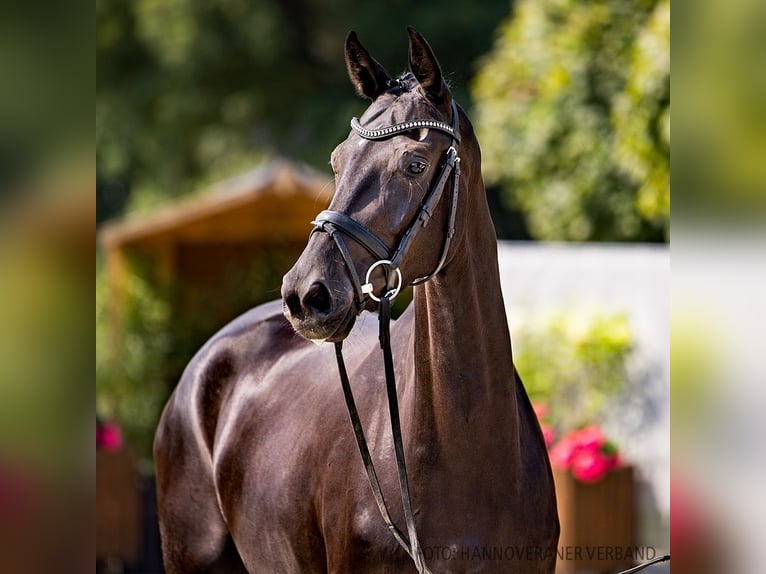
column 317, row 299
column 293, row 303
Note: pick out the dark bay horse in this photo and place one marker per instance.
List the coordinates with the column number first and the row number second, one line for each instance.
column 257, row 466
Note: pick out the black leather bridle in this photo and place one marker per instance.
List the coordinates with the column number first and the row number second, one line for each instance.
column 340, row 227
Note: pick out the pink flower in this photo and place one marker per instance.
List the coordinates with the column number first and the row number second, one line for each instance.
column 590, row 465
column 108, row 437
column 562, row 452
column 585, row 452
column 590, row 437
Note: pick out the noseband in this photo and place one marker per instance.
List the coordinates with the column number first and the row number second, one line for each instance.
column 340, row 225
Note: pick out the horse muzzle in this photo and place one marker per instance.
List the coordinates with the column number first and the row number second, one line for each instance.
column 316, row 310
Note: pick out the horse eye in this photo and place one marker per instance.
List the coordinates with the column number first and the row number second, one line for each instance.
column 416, row 167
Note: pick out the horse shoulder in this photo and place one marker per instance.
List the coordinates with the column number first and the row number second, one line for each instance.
column 193, row 529
column 241, row 346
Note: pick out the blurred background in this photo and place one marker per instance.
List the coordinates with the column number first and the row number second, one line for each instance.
column 214, row 125
column 208, row 114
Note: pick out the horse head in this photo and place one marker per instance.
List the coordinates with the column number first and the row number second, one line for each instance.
column 389, row 176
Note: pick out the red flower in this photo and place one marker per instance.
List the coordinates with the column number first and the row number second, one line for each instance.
column 562, row 452
column 615, row 461
column 590, row 437
column 108, row 437
column 590, row 465
column 585, row 452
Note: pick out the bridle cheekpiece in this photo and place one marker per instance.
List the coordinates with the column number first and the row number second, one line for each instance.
column 338, row 224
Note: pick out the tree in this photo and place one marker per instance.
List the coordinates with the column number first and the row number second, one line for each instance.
column 191, row 91
column 572, row 110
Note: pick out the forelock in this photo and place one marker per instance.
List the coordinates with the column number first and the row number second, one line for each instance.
column 404, row 83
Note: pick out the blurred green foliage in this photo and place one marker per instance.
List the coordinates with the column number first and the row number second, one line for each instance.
column 45, row 376
column 720, row 75
column 191, row 91
column 696, row 365
column 141, row 353
column 46, row 383
column 573, row 362
column 46, row 66
column 131, row 372
column 573, row 114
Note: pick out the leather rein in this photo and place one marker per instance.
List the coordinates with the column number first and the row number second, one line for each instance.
column 341, row 227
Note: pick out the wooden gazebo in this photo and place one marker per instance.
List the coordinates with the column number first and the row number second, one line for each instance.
column 255, row 223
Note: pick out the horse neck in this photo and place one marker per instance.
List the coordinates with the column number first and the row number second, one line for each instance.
column 465, row 378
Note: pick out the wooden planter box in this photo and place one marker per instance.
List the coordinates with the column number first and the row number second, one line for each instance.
column 118, row 506
column 597, row 522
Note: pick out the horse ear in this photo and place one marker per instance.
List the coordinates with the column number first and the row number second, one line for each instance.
column 369, row 78
column 425, row 67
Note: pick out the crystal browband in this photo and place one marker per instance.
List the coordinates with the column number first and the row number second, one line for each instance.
column 402, row 127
